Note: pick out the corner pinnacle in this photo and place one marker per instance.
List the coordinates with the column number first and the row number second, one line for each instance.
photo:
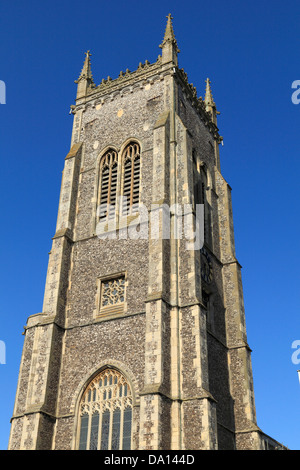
column 169, row 44
column 85, row 81
column 169, row 32
column 209, row 101
column 86, row 72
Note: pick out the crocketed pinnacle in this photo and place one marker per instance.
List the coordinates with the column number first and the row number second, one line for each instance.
column 209, row 101
column 169, row 33
column 86, row 72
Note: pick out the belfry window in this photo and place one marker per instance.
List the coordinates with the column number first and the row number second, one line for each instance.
column 108, row 185
column 207, row 207
column 105, row 420
column 119, row 183
column 131, row 178
column 196, row 182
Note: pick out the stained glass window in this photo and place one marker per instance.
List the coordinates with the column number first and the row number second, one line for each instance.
column 83, row 431
column 94, row 431
column 115, row 439
column 127, row 428
column 105, row 420
column 105, row 430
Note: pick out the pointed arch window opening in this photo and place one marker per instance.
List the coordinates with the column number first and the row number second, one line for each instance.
column 108, row 185
column 196, row 182
column 129, row 185
column 201, row 195
column 131, row 178
column 204, row 202
column 207, row 206
column 105, row 420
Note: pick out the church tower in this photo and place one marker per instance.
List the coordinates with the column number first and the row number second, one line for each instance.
column 141, row 342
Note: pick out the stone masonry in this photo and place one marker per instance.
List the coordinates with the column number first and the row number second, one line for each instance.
column 180, row 339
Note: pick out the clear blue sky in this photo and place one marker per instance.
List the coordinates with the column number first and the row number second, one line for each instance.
column 250, row 51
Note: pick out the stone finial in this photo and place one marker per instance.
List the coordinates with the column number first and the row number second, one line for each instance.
column 169, row 33
column 169, row 45
column 85, row 79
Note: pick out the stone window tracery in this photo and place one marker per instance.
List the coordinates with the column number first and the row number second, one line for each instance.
column 111, row 296
column 112, row 185
column 113, row 292
column 105, row 413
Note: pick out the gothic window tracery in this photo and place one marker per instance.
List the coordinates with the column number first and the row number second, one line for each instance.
column 113, row 292
column 111, row 296
column 105, row 420
column 128, row 164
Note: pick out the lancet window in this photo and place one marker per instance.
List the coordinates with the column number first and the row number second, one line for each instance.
column 131, row 178
column 108, row 184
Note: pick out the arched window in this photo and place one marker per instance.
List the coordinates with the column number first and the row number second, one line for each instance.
column 207, row 207
column 196, row 181
column 105, row 413
column 131, row 178
column 108, row 185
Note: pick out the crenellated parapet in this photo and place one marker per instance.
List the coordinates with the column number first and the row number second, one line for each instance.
column 147, row 73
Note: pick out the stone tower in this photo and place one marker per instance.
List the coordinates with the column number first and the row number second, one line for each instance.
column 141, row 343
